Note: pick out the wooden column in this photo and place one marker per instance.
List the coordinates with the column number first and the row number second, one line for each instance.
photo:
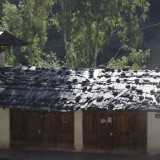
column 2, row 58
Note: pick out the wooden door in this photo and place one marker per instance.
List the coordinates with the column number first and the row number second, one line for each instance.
column 34, row 128
column 65, row 131
column 90, row 129
column 122, row 130
column 138, row 130
column 49, row 129
column 18, row 127
column 106, row 130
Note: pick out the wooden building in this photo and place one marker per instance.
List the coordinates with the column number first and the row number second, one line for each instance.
column 80, row 109
column 7, row 39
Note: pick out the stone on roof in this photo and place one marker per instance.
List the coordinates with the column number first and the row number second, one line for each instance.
column 66, row 89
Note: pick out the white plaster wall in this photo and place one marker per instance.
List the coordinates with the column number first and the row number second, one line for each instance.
column 153, row 134
column 2, row 59
column 78, row 131
column 4, row 128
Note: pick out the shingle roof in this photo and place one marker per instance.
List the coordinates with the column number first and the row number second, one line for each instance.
column 65, row 89
column 7, row 39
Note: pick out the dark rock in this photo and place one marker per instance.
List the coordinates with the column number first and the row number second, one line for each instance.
column 108, row 80
column 74, row 80
column 112, row 70
column 109, row 88
column 89, row 89
column 88, row 98
column 139, row 76
column 61, row 80
column 139, row 91
column 157, row 70
column 141, row 98
column 84, row 89
column 125, row 80
column 158, row 98
column 111, row 106
column 126, row 95
column 128, row 86
column 107, row 76
column 152, row 91
column 130, row 96
column 38, row 71
column 145, row 74
column 158, row 85
column 60, row 71
column 136, row 81
column 90, row 75
column 145, row 102
column 38, row 68
column 69, row 82
column 123, row 74
column 154, row 76
column 115, row 93
column 99, row 99
column 57, row 99
column 69, row 87
column 84, row 83
column 125, row 69
column 107, row 69
column 68, row 72
column 118, row 80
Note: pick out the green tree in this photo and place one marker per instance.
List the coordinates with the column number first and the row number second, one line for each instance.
column 135, row 61
column 29, row 20
column 91, row 24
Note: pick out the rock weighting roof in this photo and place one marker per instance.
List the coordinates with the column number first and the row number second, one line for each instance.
column 65, row 89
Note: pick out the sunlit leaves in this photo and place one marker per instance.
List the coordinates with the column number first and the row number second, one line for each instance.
column 135, row 61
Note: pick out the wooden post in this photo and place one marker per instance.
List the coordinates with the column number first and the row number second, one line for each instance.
column 2, row 58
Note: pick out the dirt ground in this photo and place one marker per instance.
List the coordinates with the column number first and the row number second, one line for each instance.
column 55, row 155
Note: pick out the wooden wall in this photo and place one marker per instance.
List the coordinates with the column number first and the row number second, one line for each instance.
column 115, row 130
column 36, row 128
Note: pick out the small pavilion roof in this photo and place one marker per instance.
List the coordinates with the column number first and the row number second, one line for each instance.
column 7, row 39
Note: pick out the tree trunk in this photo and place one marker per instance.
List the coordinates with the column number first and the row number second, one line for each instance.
column 66, row 31
column 87, row 53
column 87, row 46
column 96, row 46
column 30, row 56
column 67, row 49
column 95, row 57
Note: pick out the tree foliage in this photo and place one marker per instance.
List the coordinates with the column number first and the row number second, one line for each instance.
column 135, row 61
column 86, row 26
column 29, row 20
column 91, row 24
column 50, row 60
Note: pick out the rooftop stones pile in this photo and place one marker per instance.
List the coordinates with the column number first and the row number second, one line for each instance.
column 63, row 89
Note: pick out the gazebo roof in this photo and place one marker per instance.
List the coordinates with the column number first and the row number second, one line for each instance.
column 7, row 39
